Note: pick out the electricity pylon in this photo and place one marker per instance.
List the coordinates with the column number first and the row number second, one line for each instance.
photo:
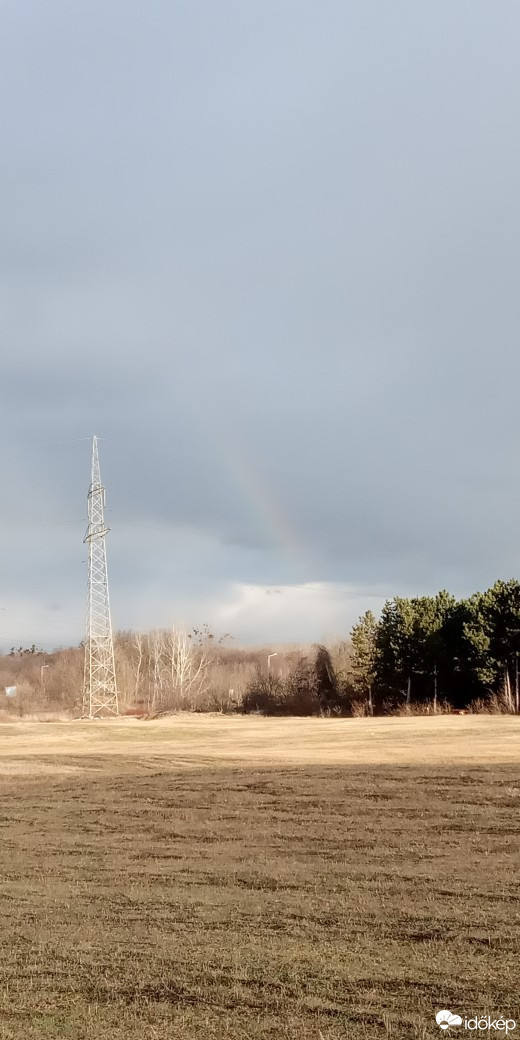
column 99, row 688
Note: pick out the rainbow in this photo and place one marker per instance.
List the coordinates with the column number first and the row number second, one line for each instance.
column 251, row 487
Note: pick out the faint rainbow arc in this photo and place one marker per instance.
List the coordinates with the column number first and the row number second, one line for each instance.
column 258, row 497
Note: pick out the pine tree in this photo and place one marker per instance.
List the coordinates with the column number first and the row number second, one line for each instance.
column 364, row 651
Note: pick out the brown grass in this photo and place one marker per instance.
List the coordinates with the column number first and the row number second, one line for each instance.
column 203, row 739
column 252, row 897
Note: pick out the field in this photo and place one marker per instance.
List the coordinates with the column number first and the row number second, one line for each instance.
column 248, row 878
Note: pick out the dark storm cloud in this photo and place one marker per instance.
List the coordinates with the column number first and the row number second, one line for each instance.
column 285, row 230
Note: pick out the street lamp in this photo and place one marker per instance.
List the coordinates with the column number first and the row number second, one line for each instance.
column 42, row 669
column 269, row 661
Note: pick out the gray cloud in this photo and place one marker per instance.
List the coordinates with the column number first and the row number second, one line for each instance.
column 267, row 252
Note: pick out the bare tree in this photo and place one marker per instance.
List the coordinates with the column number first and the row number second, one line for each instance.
column 187, row 664
column 156, row 651
column 138, row 645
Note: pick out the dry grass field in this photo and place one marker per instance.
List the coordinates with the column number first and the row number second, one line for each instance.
column 248, row 878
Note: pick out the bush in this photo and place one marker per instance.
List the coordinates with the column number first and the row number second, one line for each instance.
column 311, row 688
column 495, row 704
column 301, row 695
column 359, row 709
column 26, row 701
column 265, row 695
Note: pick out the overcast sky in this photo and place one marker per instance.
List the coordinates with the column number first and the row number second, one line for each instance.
column 268, row 251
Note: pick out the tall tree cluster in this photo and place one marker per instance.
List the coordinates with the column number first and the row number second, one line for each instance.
column 438, row 649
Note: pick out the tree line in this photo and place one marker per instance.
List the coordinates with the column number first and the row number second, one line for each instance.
column 425, row 653
column 434, row 650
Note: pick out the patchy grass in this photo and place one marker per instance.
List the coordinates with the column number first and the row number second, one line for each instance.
column 253, row 901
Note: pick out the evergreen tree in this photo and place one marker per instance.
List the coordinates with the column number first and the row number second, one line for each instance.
column 396, row 657
column 364, row 654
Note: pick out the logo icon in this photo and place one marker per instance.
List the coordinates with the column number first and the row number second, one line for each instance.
column 445, row 1019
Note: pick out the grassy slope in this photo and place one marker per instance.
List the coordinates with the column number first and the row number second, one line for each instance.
column 246, row 900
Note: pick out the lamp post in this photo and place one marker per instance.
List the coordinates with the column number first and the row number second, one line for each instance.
column 42, row 669
column 269, row 662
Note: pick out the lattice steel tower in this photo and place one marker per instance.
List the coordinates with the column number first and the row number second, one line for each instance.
column 99, row 690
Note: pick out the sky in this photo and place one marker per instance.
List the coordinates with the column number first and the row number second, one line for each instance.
column 268, row 252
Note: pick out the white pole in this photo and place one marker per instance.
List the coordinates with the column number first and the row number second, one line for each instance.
column 269, row 661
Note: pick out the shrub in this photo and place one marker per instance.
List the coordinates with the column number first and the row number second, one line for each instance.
column 265, row 695
column 311, row 688
column 495, row 704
